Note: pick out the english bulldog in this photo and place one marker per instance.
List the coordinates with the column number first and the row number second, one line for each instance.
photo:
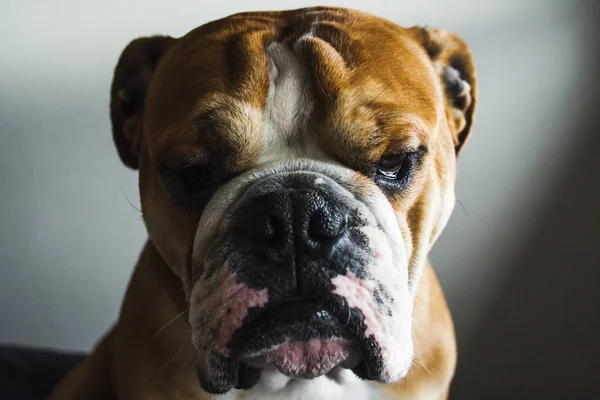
column 295, row 169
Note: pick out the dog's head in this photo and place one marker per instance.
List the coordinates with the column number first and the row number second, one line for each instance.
column 295, row 169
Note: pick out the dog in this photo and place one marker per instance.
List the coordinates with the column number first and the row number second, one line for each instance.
column 295, row 169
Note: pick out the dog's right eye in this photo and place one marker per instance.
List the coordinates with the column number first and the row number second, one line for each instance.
column 188, row 181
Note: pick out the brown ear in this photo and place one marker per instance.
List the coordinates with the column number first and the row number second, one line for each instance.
column 128, row 93
column 454, row 64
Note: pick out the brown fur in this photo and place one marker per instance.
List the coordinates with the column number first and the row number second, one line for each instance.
column 379, row 88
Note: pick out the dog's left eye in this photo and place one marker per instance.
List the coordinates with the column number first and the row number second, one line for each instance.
column 395, row 171
column 389, row 166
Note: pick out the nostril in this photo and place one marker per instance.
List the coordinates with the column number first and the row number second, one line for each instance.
column 270, row 227
column 273, row 229
column 327, row 224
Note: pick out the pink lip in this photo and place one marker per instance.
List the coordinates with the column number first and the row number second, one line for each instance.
column 303, row 360
column 228, row 306
column 359, row 294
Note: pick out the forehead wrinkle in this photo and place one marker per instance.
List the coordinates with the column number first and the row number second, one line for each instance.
column 179, row 141
column 377, row 112
column 358, row 142
column 221, row 70
column 249, row 65
column 406, row 129
column 231, row 124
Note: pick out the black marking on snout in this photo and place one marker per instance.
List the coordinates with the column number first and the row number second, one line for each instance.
column 288, row 227
column 353, row 322
column 383, row 299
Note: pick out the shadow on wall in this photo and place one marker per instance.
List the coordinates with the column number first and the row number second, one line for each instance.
column 541, row 337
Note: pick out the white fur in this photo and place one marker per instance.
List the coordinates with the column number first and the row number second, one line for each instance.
column 340, row 384
column 289, row 106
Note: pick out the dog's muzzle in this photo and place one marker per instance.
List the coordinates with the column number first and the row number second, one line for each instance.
column 301, row 268
column 285, row 225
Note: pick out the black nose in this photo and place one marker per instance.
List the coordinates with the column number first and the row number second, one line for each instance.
column 292, row 222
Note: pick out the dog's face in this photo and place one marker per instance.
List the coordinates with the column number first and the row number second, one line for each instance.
column 295, row 169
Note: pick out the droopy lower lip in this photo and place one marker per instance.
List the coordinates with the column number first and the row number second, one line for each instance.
column 304, row 360
column 298, row 321
column 306, row 320
column 300, row 338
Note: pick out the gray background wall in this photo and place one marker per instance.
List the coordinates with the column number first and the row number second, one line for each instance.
column 509, row 257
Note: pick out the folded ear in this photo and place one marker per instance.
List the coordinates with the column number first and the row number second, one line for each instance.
column 454, row 64
column 132, row 77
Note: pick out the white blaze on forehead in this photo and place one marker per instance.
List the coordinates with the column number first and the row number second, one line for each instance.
column 289, row 105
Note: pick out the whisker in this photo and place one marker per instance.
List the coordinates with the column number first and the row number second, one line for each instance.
column 418, row 351
column 129, row 201
column 190, row 284
column 470, row 227
column 350, row 104
column 462, row 206
column 376, row 97
column 192, row 364
column 178, row 353
column 169, row 323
